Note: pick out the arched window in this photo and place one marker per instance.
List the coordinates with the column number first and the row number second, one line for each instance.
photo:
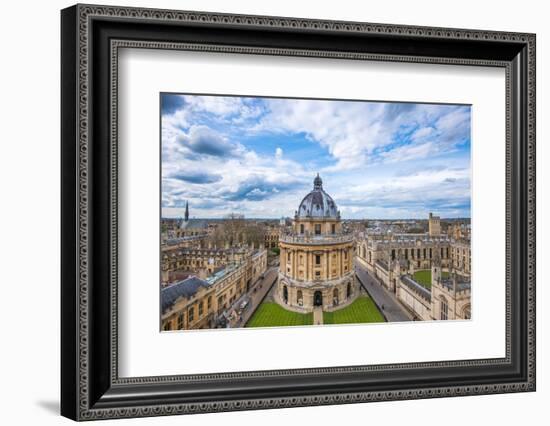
column 444, row 309
column 285, row 294
column 299, row 298
column 348, row 290
column 467, row 312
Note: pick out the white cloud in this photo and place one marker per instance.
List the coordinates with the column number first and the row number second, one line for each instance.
column 360, row 138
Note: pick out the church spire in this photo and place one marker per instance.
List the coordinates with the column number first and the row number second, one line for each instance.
column 187, row 211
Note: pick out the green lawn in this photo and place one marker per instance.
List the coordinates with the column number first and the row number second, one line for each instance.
column 270, row 314
column 361, row 310
column 424, row 277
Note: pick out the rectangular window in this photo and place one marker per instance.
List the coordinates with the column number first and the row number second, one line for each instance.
column 444, row 310
column 424, row 253
column 180, row 321
column 333, row 227
column 430, row 252
column 393, row 254
column 302, row 228
column 201, row 309
column 191, row 314
column 317, row 229
column 317, row 259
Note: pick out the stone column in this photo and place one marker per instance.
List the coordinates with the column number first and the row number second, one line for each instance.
column 327, row 261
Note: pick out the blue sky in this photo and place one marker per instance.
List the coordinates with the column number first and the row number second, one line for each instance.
column 258, row 156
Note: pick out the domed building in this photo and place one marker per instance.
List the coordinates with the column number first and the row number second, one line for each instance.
column 316, row 263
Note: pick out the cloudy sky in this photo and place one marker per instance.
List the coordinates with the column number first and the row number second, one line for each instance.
column 258, row 156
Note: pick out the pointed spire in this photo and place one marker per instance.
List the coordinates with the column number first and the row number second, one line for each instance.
column 187, row 211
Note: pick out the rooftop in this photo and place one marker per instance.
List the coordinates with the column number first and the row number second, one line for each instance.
column 185, row 288
column 416, row 287
column 318, row 203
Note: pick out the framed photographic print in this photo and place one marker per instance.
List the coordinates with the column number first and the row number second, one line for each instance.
column 263, row 212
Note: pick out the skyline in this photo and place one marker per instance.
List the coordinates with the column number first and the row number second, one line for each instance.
column 258, row 156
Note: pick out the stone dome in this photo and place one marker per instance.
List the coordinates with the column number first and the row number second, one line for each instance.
column 318, row 203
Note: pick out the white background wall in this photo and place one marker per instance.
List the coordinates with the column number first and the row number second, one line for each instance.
column 29, row 225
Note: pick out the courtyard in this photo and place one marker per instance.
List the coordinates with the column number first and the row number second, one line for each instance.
column 362, row 310
column 271, row 314
column 424, row 277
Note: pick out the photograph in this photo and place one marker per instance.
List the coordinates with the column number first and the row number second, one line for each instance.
column 274, row 208
column 278, row 212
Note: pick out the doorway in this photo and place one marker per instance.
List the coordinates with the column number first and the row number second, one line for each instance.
column 318, row 298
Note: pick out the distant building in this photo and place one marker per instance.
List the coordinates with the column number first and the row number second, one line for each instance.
column 191, row 227
column 434, row 226
column 271, row 237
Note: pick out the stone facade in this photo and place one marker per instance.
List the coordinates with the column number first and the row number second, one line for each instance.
column 202, row 262
column 434, row 226
column 198, row 303
column 378, row 255
column 447, row 299
column 451, row 296
column 316, row 258
column 271, row 237
column 393, row 260
column 461, row 256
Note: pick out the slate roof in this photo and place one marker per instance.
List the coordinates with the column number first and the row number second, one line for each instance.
column 460, row 286
column 382, row 264
column 185, row 288
column 194, row 224
column 318, row 203
column 416, row 287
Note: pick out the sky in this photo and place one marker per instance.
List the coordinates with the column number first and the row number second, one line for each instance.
column 258, row 156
